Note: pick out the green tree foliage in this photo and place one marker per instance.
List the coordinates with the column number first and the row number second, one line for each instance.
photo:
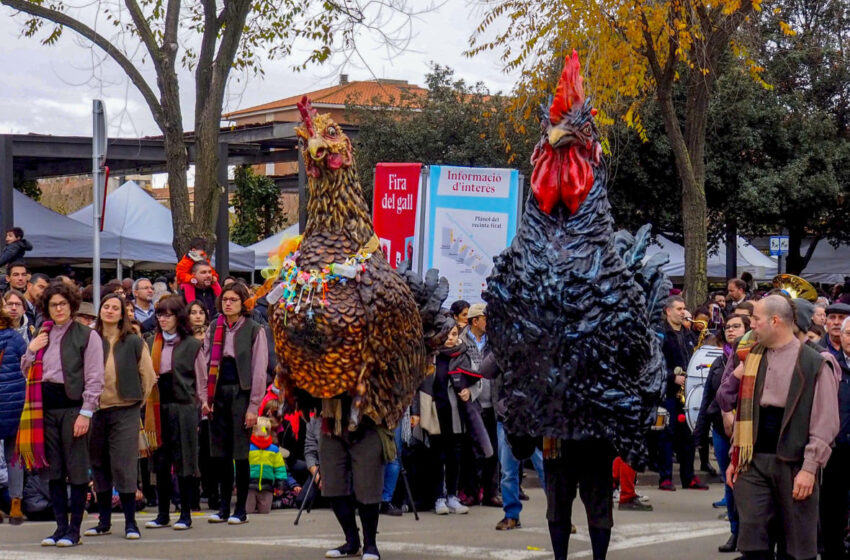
column 29, row 187
column 455, row 123
column 256, row 203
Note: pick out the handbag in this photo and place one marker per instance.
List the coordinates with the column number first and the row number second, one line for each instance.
column 428, row 419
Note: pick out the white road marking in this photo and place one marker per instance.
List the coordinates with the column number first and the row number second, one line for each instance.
column 454, row 551
column 21, row 555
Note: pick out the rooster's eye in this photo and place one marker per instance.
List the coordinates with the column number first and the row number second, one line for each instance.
column 586, row 129
column 331, row 131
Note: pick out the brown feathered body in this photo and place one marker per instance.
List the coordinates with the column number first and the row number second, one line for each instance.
column 366, row 340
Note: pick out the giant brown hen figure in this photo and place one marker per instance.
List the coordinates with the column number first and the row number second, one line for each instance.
column 570, row 305
column 362, row 336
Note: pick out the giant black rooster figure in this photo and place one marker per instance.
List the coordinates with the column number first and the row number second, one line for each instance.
column 570, row 308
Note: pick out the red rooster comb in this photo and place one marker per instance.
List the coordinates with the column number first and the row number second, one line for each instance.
column 570, row 90
column 307, row 113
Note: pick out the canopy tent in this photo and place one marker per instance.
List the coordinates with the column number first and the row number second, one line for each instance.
column 57, row 239
column 828, row 265
column 144, row 231
column 750, row 259
column 263, row 248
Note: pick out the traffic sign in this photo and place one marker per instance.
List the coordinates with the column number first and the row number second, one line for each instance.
column 778, row 245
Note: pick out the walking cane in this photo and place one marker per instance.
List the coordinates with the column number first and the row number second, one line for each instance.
column 307, row 492
column 403, row 473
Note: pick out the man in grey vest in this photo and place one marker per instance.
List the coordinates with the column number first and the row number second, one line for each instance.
column 787, row 417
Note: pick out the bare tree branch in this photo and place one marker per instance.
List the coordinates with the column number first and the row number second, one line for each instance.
column 99, row 40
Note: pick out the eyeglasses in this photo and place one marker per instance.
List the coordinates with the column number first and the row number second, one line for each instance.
column 58, row 305
column 165, row 314
column 14, row 304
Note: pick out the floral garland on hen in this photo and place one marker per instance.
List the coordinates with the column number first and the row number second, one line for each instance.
column 300, row 287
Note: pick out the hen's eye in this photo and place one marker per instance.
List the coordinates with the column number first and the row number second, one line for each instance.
column 586, row 129
column 332, row 132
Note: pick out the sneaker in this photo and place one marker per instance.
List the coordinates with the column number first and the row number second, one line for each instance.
column 183, row 524
column 98, row 531
column 371, row 553
column 388, row 508
column 522, row 495
column 158, row 523
column 454, row 505
column 667, row 486
column 643, row 499
column 51, row 540
column 508, row 524
column 345, row 551
column 495, row 501
column 634, row 505
column 69, row 540
column 237, row 519
column 220, row 517
column 616, row 494
column 131, row 532
column 696, row 484
column 441, row 508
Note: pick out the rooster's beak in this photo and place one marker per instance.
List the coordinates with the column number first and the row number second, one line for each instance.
column 555, row 135
column 317, row 147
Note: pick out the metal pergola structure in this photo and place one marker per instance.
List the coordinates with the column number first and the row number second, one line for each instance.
column 34, row 156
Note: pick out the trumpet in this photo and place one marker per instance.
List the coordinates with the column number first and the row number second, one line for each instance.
column 681, row 394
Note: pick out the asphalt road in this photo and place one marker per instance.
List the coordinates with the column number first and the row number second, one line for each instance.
column 683, row 524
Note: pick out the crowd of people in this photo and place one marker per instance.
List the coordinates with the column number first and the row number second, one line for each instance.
column 173, row 376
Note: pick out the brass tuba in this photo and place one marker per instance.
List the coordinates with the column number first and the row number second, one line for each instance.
column 795, row 287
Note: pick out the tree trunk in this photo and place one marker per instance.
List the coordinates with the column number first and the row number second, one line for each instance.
column 693, row 206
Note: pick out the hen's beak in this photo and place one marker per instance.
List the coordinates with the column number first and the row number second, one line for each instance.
column 317, row 147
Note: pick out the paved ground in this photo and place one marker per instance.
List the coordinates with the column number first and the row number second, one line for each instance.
column 683, row 524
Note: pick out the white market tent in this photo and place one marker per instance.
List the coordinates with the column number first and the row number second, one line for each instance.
column 750, row 259
column 263, row 248
column 144, row 231
column 828, row 264
column 57, row 239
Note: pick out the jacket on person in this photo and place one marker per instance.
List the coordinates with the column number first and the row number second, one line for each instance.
column 13, row 384
column 268, row 471
column 676, row 355
column 14, row 251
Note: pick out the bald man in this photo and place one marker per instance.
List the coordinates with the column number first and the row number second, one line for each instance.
column 787, row 401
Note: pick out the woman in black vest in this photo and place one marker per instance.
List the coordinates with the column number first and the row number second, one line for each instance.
column 199, row 320
column 237, row 350
column 71, row 383
column 114, row 446
column 171, row 414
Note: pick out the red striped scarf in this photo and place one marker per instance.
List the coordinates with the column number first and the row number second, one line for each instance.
column 215, row 357
column 29, row 448
column 742, row 435
column 153, row 420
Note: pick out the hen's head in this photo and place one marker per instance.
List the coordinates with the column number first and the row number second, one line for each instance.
column 324, row 146
column 569, row 149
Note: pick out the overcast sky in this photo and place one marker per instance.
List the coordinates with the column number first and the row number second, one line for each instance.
column 48, row 89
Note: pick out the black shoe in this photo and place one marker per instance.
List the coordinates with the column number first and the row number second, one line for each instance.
column 634, row 505
column 708, row 468
column 98, row 531
column 348, row 550
column 221, row 517
column 388, row 508
column 522, row 495
column 730, row 546
column 371, row 553
column 152, row 502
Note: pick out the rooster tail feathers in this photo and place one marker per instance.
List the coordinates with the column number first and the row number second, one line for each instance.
column 656, row 285
column 429, row 296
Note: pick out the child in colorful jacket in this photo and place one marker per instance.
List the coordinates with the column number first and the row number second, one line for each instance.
column 268, row 470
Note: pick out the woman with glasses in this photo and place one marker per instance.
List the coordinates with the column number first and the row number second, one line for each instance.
column 237, row 352
column 12, row 390
column 711, row 418
column 64, row 365
column 171, row 412
column 114, row 445
column 16, row 307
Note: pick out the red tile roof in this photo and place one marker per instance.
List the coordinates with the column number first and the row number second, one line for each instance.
column 381, row 91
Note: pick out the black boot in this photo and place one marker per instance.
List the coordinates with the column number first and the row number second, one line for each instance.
column 128, row 506
column 559, row 534
column 731, row 545
column 369, row 520
column 59, row 498
column 343, row 508
column 186, row 486
column 599, row 539
column 225, row 489
column 104, row 518
column 78, row 507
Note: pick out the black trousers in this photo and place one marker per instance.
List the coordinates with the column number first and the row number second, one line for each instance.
column 833, row 502
column 584, row 466
column 446, row 454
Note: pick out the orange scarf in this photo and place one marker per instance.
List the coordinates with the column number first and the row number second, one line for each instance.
column 153, row 421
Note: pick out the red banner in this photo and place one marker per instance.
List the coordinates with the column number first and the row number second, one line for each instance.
column 394, row 207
